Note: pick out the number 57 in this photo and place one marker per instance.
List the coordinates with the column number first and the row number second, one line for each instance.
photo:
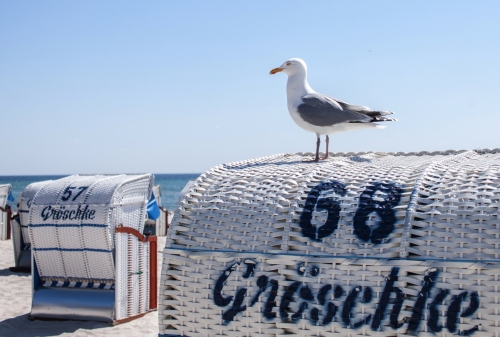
column 69, row 190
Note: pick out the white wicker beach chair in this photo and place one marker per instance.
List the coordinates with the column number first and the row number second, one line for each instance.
column 90, row 258
column 362, row 244
column 4, row 194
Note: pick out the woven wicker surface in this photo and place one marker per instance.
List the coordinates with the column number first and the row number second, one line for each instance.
column 132, row 290
column 25, row 200
column 350, row 222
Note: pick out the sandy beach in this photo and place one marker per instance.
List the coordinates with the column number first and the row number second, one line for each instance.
column 15, row 289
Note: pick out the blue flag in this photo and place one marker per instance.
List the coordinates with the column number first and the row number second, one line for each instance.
column 153, row 209
column 11, row 197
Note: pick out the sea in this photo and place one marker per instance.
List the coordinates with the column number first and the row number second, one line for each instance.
column 171, row 186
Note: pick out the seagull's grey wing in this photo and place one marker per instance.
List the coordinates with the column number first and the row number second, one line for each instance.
column 362, row 109
column 321, row 110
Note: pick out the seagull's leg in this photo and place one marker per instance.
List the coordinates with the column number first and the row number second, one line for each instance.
column 317, row 152
column 317, row 149
column 327, row 140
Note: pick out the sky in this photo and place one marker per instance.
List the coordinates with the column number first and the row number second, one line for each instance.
column 182, row 86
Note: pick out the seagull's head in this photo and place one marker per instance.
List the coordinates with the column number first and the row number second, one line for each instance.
column 290, row 67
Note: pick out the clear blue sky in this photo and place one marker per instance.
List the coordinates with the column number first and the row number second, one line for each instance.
column 182, row 86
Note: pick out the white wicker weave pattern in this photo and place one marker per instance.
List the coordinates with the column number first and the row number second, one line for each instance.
column 457, row 208
column 132, row 292
column 122, row 274
column 25, row 201
column 396, row 244
column 189, row 309
column 252, row 206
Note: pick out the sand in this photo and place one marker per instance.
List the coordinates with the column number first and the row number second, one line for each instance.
column 15, row 305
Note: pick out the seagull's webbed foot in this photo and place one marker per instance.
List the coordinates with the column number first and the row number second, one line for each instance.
column 315, row 160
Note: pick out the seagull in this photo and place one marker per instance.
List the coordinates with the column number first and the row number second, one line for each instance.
column 321, row 114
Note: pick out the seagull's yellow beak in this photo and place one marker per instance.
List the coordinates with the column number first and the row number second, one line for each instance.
column 275, row 70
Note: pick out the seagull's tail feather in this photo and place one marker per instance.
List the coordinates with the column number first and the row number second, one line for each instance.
column 363, row 109
column 383, row 119
column 377, row 113
column 375, row 119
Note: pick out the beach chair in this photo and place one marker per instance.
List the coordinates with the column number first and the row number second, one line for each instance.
column 361, row 244
column 90, row 258
column 4, row 221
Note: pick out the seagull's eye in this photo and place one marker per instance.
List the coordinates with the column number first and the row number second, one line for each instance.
column 288, row 63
